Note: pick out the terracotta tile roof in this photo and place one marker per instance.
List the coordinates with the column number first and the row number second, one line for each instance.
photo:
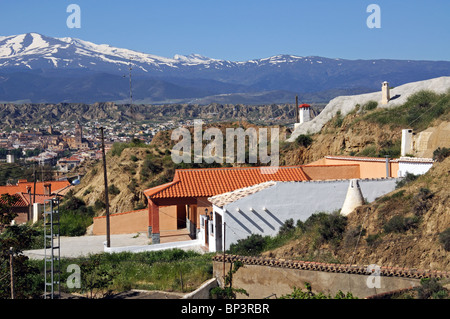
column 21, row 187
column 208, row 182
column 39, row 198
column 19, row 203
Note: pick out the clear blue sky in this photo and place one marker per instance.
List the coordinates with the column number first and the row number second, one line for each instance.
column 245, row 29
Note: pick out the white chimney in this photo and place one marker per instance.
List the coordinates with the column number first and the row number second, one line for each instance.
column 407, row 147
column 353, row 199
column 385, row 94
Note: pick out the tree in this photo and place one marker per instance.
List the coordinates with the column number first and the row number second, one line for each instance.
column 17, row 238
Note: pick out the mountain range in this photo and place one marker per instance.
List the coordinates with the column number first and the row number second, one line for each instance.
column 35, row 68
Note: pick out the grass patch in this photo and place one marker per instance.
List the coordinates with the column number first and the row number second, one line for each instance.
column 417, row 112
column 168, row 270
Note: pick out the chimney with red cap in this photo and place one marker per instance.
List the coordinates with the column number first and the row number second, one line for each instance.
column 304, row 113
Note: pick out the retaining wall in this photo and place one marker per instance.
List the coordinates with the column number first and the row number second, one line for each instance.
column 263, row 277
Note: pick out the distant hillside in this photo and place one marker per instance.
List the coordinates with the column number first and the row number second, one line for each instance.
column 44, row 114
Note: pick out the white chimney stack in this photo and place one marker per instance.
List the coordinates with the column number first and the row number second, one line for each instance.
column 353, row 199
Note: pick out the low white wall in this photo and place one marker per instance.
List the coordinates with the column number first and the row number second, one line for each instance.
column 186, row 245
column 413, row 168
column 202, row 292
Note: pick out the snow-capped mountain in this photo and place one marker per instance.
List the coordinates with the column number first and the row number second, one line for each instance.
column 37, row 68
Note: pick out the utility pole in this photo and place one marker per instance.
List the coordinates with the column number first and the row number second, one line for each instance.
column 108, row 239
column 34, row 188
column 224, row 243
column 11, row 268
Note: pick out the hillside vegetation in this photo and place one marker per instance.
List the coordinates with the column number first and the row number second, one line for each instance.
column 370, row 130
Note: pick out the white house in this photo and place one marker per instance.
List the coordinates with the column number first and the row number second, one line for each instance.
column 263, row 208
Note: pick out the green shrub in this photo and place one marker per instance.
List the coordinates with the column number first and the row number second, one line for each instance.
column 417, row 112
column 113, row 190
column 444, row 239
column 304, row 140
column 99, row 204
column 250, row 246
column 369, row 151
column 371, row 105
column 440, row 154
column 421, row 202
column 287, row 227
column 298, row 293
column 117, row 148
column 150, row 166
column 409, row 177
column 74, row 224
column 339, row 120
column 332, row 228
column 75, row 216
column 400, row 224
column 373, row 240
column 431, row 288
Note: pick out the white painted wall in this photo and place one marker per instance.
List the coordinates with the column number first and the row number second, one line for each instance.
column 264, row 212
column 417, row 168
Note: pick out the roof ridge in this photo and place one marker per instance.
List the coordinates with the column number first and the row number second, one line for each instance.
column 238, row 168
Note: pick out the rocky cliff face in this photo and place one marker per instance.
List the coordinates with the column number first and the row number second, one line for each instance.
column 44, row 114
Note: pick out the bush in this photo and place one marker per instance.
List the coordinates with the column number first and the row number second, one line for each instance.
column 150, row 166
column 308, row 294
column 252, row 245
column 339, row 120
column 74, row 224
column 440, row 154
column 431, row 288
column 99, row 204
column 400, row 224
column 332, row 228
column 409, row 177
column 304, row 140
column 444, row 239
column 371, row 105
column 113, row 190
column 75, row 216
column 373, row 240
column 421, row 202
column 417, row 112
column 287, row 227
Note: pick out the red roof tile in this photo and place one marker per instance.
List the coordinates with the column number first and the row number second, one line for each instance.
column 213, row 181
column 20, row 202
column 21, row 187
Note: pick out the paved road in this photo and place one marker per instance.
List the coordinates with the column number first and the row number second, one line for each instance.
column 85, row 245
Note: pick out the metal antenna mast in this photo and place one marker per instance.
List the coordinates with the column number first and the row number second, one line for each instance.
column 52, row 267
